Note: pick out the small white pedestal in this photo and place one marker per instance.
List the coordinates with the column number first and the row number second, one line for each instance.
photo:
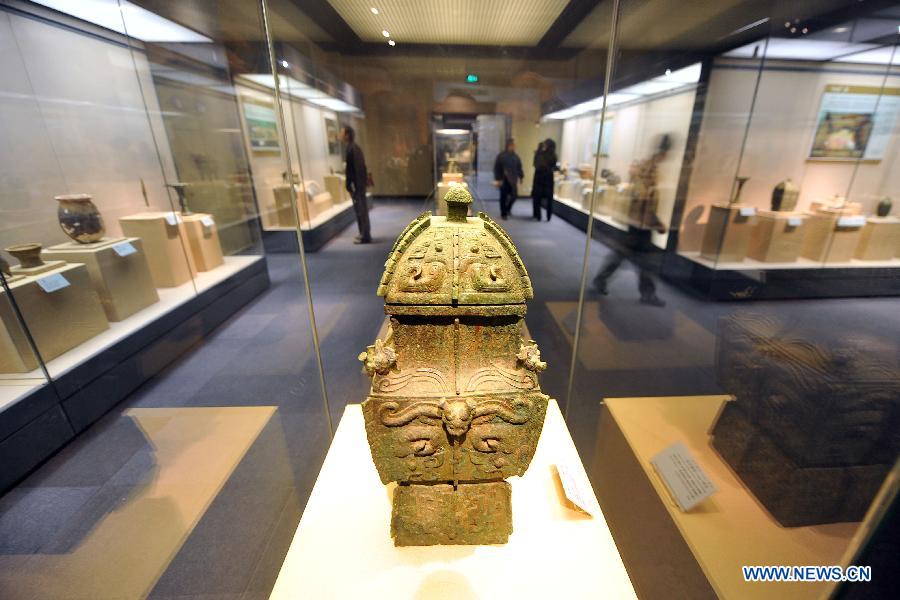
column 343, row 546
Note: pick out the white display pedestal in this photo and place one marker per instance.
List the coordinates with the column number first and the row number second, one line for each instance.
column 343, row 546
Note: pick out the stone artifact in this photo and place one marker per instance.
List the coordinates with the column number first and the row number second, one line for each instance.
column 884, row 207
column 813, row 431
column 79, row 218
column 181, row 190
column 784, row 196
column 737, row 191
column 28, row 255
column 455, row 405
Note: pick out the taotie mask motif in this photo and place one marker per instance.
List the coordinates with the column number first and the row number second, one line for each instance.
column 530, row 357
column 378, row 359
column 457, row 415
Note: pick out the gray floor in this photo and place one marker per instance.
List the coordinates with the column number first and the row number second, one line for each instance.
column 262, row 357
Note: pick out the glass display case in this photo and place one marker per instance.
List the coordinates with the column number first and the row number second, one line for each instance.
column 286, row 311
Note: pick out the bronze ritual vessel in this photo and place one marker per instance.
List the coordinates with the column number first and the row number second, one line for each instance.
column 455, row 406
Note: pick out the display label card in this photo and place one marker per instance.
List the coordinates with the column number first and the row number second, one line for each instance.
column 124, row 249
column 208, row 222
column 686, row 480
column 53, row 283
column 575, row 491
column 173, row 219
column 851, row 221
column 795, row 221
column 748, row 211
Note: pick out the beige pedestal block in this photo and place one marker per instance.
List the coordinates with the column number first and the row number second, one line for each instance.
column 451, row 177
column 825, row 241
column 123, row 283
column 284, row 211
column 727, row 234
column 165, row 245
column 442, row 189
column 880, row 239
column 203, row 239
column 775, row 238
column 58, row 321
column 336, row 186
column 48, row 265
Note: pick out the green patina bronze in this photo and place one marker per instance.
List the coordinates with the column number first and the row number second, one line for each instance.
column 455, row 405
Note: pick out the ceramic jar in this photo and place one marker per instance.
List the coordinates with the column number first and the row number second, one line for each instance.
column 79, row 218
column 28, row 255
column 884, row 207
column 784, row 196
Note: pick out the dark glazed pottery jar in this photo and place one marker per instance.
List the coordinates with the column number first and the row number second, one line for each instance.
column 28, row 255
column 79, row 218
column 884, row 207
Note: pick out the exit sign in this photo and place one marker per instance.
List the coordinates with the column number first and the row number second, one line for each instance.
column 472, row 78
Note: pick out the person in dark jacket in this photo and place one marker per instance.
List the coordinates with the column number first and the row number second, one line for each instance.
column 507, row 175
column 642, row 221
column 356, row 178
column 542, row 187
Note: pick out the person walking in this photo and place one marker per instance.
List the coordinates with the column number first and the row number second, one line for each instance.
column 642, row 221
column 545, row 160
column 356, row 179
column 507, row 175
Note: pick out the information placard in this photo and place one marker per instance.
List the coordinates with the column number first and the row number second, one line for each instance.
column 574, row 490
column 124, row 249
column 53, row 283
column 208, row 221
column 173, row 219
column 686, row 480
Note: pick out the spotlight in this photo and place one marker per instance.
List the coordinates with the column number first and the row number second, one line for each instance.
column 840, row 29
column 285, row 64
column 374, row 10
column 392, row 43
column 668, row 71
column 385, row 33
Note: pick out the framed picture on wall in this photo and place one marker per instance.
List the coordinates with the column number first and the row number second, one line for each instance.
column 854, row 122
column 332, row 134
column 262, row 126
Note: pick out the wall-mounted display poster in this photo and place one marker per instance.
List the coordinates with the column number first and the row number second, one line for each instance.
column 262, row 126
column 855, row 122
column 332, row 134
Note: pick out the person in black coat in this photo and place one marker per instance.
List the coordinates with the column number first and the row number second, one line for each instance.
column 545, row 160
column 507, row 175
column 356, row 179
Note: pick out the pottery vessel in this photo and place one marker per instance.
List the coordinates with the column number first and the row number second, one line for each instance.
column 28, row 255
column 79, row 218
column 785, row 195
column 884, row 207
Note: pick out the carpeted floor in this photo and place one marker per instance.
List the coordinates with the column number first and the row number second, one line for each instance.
column 263, row 357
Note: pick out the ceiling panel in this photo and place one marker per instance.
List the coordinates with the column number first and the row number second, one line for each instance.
column 467, row 22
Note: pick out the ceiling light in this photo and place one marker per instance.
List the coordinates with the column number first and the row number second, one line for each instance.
column 452, row 131
column 392, row 43
column 668, row 71
column 374, row 10
column 285, row 64
column 385, row 33
column 840, row 29
column 124, row 17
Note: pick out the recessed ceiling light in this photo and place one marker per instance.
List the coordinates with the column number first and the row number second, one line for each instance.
column 840, row 29
column 374, row 10
column 392, row 43
column 285, row 64
column 385, row 33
